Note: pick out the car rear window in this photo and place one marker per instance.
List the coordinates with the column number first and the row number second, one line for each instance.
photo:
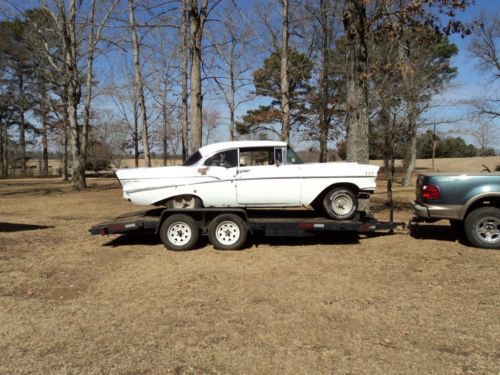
column 193, row 159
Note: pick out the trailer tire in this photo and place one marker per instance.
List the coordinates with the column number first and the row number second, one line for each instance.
column 341, row 203
column 179, row 232
column 482, row 227
column 228, row 232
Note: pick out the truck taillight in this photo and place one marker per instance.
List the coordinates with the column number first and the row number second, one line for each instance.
column 431, row 192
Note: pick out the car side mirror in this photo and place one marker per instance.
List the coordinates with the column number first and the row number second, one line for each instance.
column 278, row 163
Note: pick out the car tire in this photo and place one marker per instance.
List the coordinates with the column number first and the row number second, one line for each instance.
column 184, row 202
column 341, row 203
column 179, row 232
column 482, row 227
column 227, row 232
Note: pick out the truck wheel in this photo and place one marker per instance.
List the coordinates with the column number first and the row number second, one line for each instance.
column 227, row 232
column 341, row 203
column 179, row 232
column 482, row 227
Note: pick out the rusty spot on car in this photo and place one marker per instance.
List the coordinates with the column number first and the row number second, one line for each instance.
column 203, row 171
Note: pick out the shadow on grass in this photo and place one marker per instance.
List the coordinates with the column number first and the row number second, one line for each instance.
column 334, row 238
column 438, row 233
column 16, row 227
column 134, row 239
column 257, row 239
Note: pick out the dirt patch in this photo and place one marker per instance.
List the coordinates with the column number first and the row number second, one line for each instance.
column 74, row 303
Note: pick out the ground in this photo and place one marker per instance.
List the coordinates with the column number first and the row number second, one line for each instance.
column 74, row 303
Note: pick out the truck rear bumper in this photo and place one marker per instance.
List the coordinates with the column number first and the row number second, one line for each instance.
column 437, row 212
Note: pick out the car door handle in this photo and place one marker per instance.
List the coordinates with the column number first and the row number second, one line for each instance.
column 243, row 170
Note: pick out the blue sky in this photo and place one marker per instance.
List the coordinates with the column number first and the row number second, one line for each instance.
column 470, row 82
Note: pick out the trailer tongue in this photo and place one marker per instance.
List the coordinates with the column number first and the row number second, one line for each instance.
column 228, row 228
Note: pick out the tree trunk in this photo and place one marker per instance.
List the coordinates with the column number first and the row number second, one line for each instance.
column 165, row 126
column 407, row 74
column 74, row 93
column 285, row 84
column 410, row 160
column 22, row 123
column 184, row 110
column 88, row 82
column 64, row 162
column 45, row 130
column 5, row 151
column 384, row 120
column 136, row 136
column 324, row 112
column 2, row 163
column 139, row 89
column 354, row 20
column 196, row 22
column 232, row 105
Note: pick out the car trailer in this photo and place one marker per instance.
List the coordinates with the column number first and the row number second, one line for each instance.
column 228, row 228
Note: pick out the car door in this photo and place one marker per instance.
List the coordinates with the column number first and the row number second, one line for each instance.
column 263, row 180
column 220, row 188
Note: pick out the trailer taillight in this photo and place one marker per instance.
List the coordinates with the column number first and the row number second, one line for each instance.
column 431, row 192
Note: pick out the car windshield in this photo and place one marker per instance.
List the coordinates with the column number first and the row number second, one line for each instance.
column 193, row 159
column 292, row 157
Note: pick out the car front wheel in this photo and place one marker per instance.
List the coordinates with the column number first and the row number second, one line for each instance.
column 340, row 203
column 482, row 227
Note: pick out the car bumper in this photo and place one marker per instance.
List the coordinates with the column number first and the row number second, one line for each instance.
column 436, row 211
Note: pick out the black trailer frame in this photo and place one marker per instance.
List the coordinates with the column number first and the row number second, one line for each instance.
column 272, row 223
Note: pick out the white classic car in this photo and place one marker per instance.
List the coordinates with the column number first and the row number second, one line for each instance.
column 251, row 174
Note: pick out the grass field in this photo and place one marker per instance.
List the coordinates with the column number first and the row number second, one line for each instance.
column 73, row 303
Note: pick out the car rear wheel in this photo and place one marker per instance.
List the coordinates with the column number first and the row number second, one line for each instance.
column 227, row 232
column 184, row 202
column 340, row 203
column 179, row 232
column 482, row 227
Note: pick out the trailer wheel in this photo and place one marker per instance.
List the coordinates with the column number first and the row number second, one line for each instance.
column 179, row 232
column 341, row 203
column 227, row 232
column 482, row 227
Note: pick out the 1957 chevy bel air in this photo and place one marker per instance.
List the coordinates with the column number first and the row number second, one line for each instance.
column 251, row 174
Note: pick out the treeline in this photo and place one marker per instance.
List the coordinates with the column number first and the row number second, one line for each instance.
column 99, row 79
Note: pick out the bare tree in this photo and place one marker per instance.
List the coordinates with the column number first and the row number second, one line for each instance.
column 485, row 136
column 211, row 121
column 94, row 37
column 198, row 14
column 285, row 84
column 139, row 88
column 484, row 44
column 354, row 19
column 231, row 41
column 197, row 18
column 184, row 81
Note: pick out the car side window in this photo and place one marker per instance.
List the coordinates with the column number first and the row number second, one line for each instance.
column 278, row 155
column 256, row 156
column 292, row 157
column 226, row 159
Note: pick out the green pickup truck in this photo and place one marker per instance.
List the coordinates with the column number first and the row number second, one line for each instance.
column 470, row 201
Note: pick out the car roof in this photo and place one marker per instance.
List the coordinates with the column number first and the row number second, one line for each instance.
column 221, row 146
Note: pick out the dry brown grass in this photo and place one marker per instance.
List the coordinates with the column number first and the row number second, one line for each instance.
column 73, row 303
